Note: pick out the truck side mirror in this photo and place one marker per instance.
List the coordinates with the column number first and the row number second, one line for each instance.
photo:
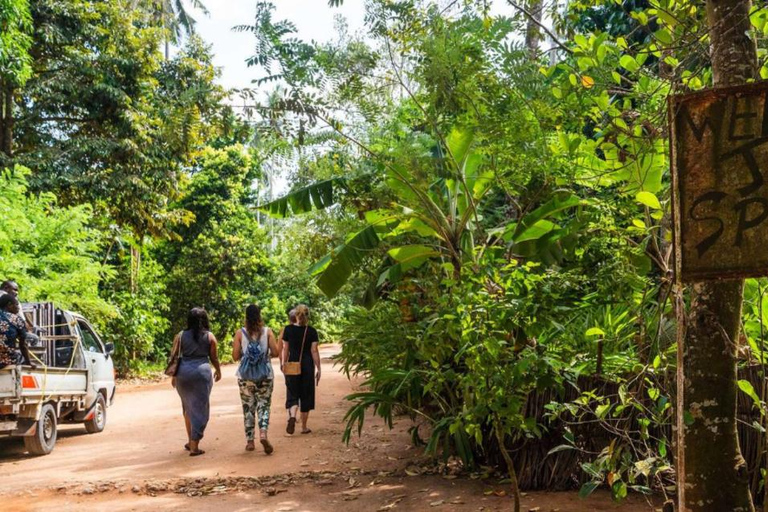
column 109, row 348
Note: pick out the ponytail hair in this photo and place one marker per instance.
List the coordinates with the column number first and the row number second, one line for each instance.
column 302, row 314
column 253, row 322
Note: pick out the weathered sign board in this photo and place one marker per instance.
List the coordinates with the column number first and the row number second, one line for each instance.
column 719, row 157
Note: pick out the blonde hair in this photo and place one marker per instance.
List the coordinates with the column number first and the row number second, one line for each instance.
column 302, row 314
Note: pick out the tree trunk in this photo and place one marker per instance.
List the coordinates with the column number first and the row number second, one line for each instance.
column 2, row 115
column 135, row 269
column 599, row 363
column 6, row 118
column 714, row 472
column 532, row 29
column 510, row 465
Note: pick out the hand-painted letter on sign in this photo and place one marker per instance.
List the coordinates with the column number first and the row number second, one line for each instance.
column 719, row 155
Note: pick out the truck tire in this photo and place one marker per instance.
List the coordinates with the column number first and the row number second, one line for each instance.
column 99, row 420
column 44, row 439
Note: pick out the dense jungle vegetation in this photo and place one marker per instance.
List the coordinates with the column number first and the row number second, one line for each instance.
column 478, row 207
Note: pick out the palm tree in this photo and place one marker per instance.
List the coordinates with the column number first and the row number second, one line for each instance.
column 174, row 17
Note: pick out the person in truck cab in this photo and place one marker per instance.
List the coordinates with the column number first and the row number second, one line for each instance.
column 13, row 329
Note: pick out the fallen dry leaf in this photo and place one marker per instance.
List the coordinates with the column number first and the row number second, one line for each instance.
column 390, row 506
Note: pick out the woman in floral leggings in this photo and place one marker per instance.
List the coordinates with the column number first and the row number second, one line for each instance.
column 256, row 396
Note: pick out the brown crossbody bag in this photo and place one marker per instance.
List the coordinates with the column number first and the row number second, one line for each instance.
column 294, row 367
column 172, row 368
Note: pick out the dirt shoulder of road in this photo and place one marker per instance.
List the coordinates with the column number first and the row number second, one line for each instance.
column 310, row 491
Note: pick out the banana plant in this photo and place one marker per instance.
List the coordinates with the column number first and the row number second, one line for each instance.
column 440, row 214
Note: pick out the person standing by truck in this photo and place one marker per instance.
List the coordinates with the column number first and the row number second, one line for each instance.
column 193, row 382
column 13, row 329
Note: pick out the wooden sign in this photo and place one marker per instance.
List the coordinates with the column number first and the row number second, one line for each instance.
column 719, row 158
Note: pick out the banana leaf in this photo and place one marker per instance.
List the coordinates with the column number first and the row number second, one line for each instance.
column 317, row 196
column 334, row 270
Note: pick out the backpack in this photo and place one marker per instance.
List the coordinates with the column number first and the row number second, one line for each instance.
column 255, row 365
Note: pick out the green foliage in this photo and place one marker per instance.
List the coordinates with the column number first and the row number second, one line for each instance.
column 50, row 250
column 104, row 119
column 466, row 366
column 220, row 261
column 516, row 215
column 141, row 314
column 15, row 40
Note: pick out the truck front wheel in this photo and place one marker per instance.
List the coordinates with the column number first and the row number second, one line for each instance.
column 44, row 438
column 99, row 420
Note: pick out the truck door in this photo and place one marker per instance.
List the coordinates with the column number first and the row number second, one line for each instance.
column 101, row 366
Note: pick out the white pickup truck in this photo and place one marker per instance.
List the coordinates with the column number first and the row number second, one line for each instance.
column 72, row 380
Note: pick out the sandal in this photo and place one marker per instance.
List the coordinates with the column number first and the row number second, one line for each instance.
column 196, row 453
column 186, row 446
column 291, row 428
column 249, row 447
column 306, row 431
column 267, row 447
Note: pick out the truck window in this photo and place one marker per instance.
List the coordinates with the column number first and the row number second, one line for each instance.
column 90, row 341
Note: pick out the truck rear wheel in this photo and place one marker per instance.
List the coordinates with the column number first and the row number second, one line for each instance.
column 44, row 439
column 99, row 420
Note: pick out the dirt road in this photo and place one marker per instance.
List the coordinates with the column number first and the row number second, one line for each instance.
column 138, row 463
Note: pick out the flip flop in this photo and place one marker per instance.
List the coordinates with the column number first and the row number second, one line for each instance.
column 291, row 428
column 249, row 447
column 267, row 446
column 186, row 446
column 308, row 431
column 196, row 453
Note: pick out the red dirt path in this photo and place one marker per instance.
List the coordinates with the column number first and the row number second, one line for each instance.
column 138, row 463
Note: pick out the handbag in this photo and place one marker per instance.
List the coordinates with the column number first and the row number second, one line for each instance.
column 172, row 368
column 254, row 365
column 294, row 367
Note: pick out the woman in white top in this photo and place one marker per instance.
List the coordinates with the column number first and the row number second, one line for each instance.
column 256, row 395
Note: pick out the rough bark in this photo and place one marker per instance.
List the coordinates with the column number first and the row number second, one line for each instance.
column 2, row 115
column 6, row 118
column 533, row 29
column 715, row 474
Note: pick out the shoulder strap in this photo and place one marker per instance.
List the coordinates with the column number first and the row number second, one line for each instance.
column 178, row 345
column 245, row 333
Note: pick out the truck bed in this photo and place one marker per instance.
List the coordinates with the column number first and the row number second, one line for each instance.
column 30, row 385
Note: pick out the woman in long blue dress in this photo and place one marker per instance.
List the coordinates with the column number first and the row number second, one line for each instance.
column 193, row 380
